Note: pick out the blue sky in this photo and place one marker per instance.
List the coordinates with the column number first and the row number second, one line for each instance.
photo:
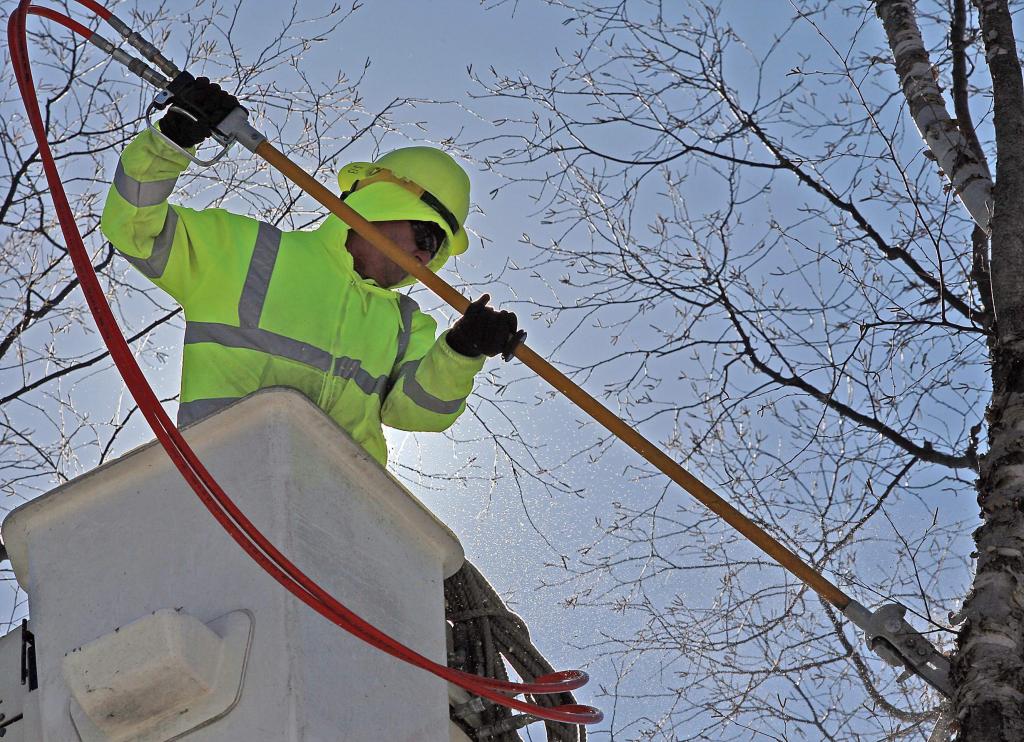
column 422, row 50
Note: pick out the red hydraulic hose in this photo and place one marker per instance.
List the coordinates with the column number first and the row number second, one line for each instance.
column 223, row 509
column 96, row 8
column 62, row 19
column 208, row 491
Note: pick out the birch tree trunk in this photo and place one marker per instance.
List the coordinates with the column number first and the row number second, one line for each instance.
column 966, row 169
column 988, row 667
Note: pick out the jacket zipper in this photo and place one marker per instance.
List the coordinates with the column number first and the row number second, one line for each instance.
column 327, row 387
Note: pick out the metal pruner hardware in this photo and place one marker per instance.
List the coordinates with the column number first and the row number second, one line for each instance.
column 888, row 635
column 509, row 351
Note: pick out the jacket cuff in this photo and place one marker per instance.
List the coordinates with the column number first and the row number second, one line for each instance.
column 461, row 362
column 164, row 161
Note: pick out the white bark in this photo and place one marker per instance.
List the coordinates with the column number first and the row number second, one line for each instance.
column 988, row 666
column 969, row 175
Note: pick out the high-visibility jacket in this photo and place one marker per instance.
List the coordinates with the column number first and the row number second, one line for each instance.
column 267, row 308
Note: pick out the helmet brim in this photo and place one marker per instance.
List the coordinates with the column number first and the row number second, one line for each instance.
column 383, row 202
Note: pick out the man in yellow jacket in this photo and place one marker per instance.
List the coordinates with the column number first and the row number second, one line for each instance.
column 315, row 311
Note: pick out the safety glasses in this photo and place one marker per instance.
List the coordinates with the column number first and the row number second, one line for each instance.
column 428, row 237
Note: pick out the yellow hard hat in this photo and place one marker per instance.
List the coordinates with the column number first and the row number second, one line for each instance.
column 414, row 183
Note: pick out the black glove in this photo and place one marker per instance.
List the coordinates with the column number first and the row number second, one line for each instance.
column 204, row 100
column 482, row 330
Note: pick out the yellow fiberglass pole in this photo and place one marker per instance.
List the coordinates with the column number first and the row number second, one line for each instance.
column 754, row 533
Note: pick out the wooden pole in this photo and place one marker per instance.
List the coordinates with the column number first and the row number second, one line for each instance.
column 695, row 487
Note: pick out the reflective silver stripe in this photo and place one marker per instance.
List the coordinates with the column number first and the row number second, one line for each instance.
column 406, row 306
column 253, row 338
column 139, row 193
column 257, row 280
column 350, row 368
column 154, row 265
column 264, row 341
column 421, row 397
column 189, row 412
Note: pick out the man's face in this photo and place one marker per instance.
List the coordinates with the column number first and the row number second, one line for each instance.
column 371, row 263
